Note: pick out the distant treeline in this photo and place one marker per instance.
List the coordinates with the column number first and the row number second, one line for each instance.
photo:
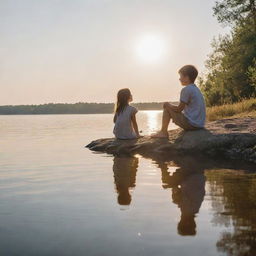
column 65, row 108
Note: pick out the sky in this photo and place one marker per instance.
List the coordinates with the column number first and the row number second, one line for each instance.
column 67, row 51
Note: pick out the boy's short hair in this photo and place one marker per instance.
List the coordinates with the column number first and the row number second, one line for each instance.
column 190, row 71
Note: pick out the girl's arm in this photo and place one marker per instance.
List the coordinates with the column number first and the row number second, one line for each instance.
column 135, row 126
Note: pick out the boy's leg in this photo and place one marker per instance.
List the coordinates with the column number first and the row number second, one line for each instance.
column 180, row 120
column 165, row 120
column 163, row 133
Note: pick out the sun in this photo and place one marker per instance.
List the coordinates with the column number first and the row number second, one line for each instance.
column 150, row 48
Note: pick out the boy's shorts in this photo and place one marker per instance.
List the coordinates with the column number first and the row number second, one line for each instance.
column 179, row 119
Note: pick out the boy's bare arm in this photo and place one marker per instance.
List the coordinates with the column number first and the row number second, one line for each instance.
column 135, row 125
column 178, row 108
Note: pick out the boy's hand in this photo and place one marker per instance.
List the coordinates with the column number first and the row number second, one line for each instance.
column 166, row 105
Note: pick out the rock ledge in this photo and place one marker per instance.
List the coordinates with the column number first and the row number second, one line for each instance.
column 230, row 138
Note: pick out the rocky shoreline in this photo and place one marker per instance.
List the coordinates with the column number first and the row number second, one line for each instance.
column 228, row 138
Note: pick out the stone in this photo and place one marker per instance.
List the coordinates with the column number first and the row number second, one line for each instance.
column 214, row 141
column 229, row 126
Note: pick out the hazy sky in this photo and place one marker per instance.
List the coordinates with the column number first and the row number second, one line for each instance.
column 85, row 50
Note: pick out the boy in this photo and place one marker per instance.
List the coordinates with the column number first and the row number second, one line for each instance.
column 190, row 113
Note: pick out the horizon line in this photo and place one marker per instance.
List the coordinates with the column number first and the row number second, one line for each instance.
column 80, row 102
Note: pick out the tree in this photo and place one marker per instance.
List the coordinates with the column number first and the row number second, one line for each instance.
column 230, row 74
column 252, row 73
column 235, row 11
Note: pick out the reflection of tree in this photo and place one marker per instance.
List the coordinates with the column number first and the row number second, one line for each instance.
column 188, row 190
column 234, row 202
column 124, row 169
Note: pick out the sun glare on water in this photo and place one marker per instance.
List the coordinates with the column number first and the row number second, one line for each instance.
column 150, row 48
column 153, row 120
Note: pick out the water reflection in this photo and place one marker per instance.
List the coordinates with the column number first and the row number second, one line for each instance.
column 233, row 196
column 187, row 184
column 125, row 169
column 231, row 193
column 188, row 190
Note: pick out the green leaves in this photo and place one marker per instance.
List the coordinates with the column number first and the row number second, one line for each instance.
column 252, row 75
column 230, row 75
column 233, row 12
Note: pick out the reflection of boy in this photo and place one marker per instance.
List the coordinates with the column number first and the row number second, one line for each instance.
column 189, row 196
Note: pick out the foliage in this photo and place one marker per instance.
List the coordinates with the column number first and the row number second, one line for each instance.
column 252, row 74
column 230, row 75
column 235, row 11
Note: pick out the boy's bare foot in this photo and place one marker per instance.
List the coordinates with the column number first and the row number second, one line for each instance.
column 160, row 134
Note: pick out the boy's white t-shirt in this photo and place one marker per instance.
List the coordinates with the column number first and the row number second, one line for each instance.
column 123, row 128
column 194, row 110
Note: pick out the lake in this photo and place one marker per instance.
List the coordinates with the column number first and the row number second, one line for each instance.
column 59, row 198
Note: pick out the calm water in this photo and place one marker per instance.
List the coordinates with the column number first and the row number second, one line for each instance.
column 58, row 198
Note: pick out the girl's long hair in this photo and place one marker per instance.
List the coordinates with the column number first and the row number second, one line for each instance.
column 123, row 97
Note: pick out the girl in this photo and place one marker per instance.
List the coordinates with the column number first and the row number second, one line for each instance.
column 125, row 121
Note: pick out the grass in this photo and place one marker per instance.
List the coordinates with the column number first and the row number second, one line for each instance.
column 239, row 109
